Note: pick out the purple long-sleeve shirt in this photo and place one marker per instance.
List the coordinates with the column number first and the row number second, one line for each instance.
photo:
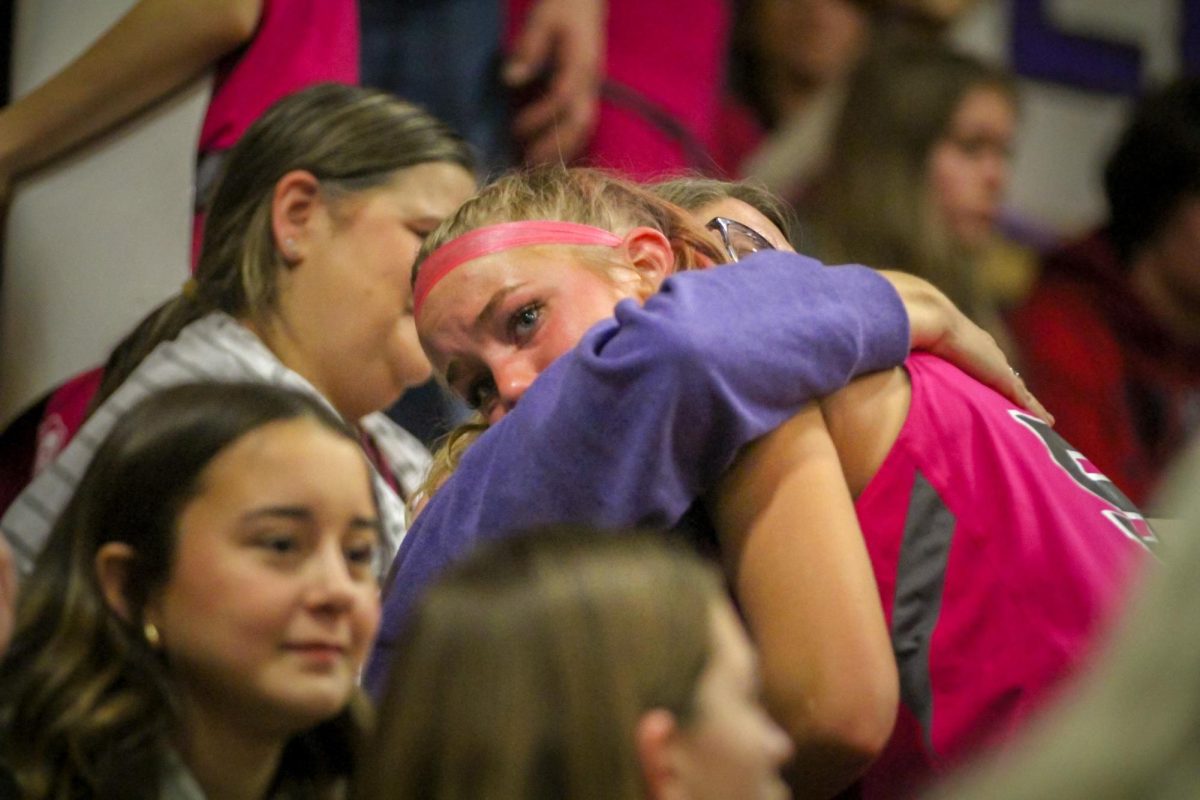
column 652, row 407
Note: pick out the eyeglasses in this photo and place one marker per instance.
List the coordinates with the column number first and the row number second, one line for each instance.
column 740, row 240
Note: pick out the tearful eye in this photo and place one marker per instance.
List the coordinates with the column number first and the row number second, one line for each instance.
column 524, row 320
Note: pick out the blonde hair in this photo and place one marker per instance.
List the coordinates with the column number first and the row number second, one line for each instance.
column 527, row 667
column 588, row 196
column 447, row 454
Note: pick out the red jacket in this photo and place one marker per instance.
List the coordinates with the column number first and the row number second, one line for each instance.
column 1124, row 391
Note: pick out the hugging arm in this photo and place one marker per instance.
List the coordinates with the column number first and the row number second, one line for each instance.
column 939, row 327
column 652, row 407
column 639, row 420
column 799, row 568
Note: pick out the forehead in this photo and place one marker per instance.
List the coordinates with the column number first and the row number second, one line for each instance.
column 285, row 454
column 743, row 212
column 986, row 105
column 468, row 287
column 733, row 662
column 433, row 190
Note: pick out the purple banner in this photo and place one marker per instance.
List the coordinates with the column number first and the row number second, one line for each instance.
column 1042, row 51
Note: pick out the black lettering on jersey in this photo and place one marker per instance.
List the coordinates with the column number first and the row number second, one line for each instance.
column 1124, row 514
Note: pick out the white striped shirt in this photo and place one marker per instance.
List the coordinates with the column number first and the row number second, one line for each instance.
column 214, row 348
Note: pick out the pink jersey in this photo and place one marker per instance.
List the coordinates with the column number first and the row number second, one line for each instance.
column 1000, row 555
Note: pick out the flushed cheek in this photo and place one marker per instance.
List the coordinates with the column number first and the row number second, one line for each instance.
column 255, row 620
column 365, row 624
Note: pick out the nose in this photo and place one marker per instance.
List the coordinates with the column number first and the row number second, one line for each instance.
column 331, row 586
column 996, row 171
column 512, row 376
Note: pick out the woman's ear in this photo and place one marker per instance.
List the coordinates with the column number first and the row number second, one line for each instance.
column 296, row 197
column 649, row 251
column 114, row 562
column 656, row 741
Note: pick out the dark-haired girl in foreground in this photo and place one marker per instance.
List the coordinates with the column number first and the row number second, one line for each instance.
column 196, row 624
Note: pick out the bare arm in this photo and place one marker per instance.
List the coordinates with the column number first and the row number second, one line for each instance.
column 793, row 549
column 157, row 47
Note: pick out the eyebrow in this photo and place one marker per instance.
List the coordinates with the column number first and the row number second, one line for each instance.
column 368, row 523
column 302, row 514
column 454, row 367
column 496, row 299
column 287, row 512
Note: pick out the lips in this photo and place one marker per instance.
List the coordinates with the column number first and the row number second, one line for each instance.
column 329, row 649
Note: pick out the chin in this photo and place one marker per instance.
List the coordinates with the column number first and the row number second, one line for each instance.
column 305, row 701
column 974, row 240
column 412, row 375
column 308, row 709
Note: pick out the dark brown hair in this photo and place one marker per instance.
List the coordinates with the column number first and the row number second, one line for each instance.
column 86, row 706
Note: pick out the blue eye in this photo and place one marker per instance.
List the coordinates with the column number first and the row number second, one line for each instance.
column 526, row 318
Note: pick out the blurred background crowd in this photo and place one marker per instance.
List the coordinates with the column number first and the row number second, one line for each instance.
column 989, row 146
column 1038, row 161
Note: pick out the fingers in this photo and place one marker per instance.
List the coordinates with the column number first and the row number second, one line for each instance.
column 563, row 41
column 939, row 327
column 1021, row 395
column 975, row 351
column 563, row 136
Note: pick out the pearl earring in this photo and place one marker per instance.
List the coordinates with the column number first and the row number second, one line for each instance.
column 150, row 631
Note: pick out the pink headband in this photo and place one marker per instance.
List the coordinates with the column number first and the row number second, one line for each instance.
column 496, row 239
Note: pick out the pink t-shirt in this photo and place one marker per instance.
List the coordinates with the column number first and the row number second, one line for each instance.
column 297, row 43
column 1000, row 555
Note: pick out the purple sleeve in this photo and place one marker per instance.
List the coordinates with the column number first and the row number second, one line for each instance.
column 652, row 406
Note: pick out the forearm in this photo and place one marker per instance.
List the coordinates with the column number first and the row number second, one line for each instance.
column 154, row 49
column 796, row 558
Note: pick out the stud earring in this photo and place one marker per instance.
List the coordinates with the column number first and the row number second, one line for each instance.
column 150, row 631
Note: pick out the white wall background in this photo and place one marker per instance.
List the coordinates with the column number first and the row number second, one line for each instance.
column 96, row 241
column 1066, row 133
